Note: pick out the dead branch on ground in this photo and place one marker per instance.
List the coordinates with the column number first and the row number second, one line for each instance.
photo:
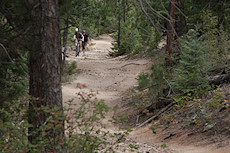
column 155, row 116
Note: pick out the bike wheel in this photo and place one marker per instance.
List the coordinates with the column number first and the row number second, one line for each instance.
column 77, row 50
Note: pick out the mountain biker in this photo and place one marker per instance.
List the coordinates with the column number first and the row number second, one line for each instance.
column 78, row 38
column 84, row 42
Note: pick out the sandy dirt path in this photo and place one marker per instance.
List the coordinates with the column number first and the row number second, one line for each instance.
column 110, row 78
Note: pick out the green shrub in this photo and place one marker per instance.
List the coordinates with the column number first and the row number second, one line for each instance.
column 215, row 101
column 215, row 38
column 70, row 71
column 13, row 131
column 156, row 82
column 71, row 68
column 158, row 79
column 131, row 41
column 152, row 40
column 84, row 132
column 13, row 81
column 143, row 80
column 134, row 40
column 193, row 66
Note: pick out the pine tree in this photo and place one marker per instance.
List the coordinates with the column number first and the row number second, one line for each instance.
column 193, row 64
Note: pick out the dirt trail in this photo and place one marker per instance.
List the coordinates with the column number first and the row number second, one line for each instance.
column 110, row 77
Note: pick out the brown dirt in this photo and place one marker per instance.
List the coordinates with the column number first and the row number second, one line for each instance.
column 110, row 78
column 180, row 143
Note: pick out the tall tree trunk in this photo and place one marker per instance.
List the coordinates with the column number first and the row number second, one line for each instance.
column 119, row 25
column 170, row 33
column 45, row 77
column 65, row 40
column 180, row 25
column 124, row 10
column 221, row 14
column 99, row 26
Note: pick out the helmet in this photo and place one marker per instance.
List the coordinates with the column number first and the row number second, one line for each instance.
column 76, row 29
column 83, row 30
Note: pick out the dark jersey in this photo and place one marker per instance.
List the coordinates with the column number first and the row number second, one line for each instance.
column 78, row 35
column 86, row 37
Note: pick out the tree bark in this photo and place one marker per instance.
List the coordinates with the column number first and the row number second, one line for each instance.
column 99, row 26
column 65, row 40
column 124, row 10
column 119, row 25
column 221, row 14
column 45, row 76
column 180, row 25
column 170, row 33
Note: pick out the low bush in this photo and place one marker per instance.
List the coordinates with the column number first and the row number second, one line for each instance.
column 84, row 132
column 143, row 80
column 70, row 71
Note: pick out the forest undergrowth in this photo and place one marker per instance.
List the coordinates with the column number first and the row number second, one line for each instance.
column 185, row 100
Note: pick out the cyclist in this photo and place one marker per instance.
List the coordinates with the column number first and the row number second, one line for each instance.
column 84, row 42
column 78, row 39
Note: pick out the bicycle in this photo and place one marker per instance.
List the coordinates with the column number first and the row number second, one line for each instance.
column 78, row 47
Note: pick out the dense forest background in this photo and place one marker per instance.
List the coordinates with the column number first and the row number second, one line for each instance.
column 194, row 60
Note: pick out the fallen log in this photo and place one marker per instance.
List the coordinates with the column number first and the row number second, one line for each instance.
column 171, row 135
column 129, row 64
column 219, row 79
column 219, row 70
column 155, row 116
column 161, row 102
